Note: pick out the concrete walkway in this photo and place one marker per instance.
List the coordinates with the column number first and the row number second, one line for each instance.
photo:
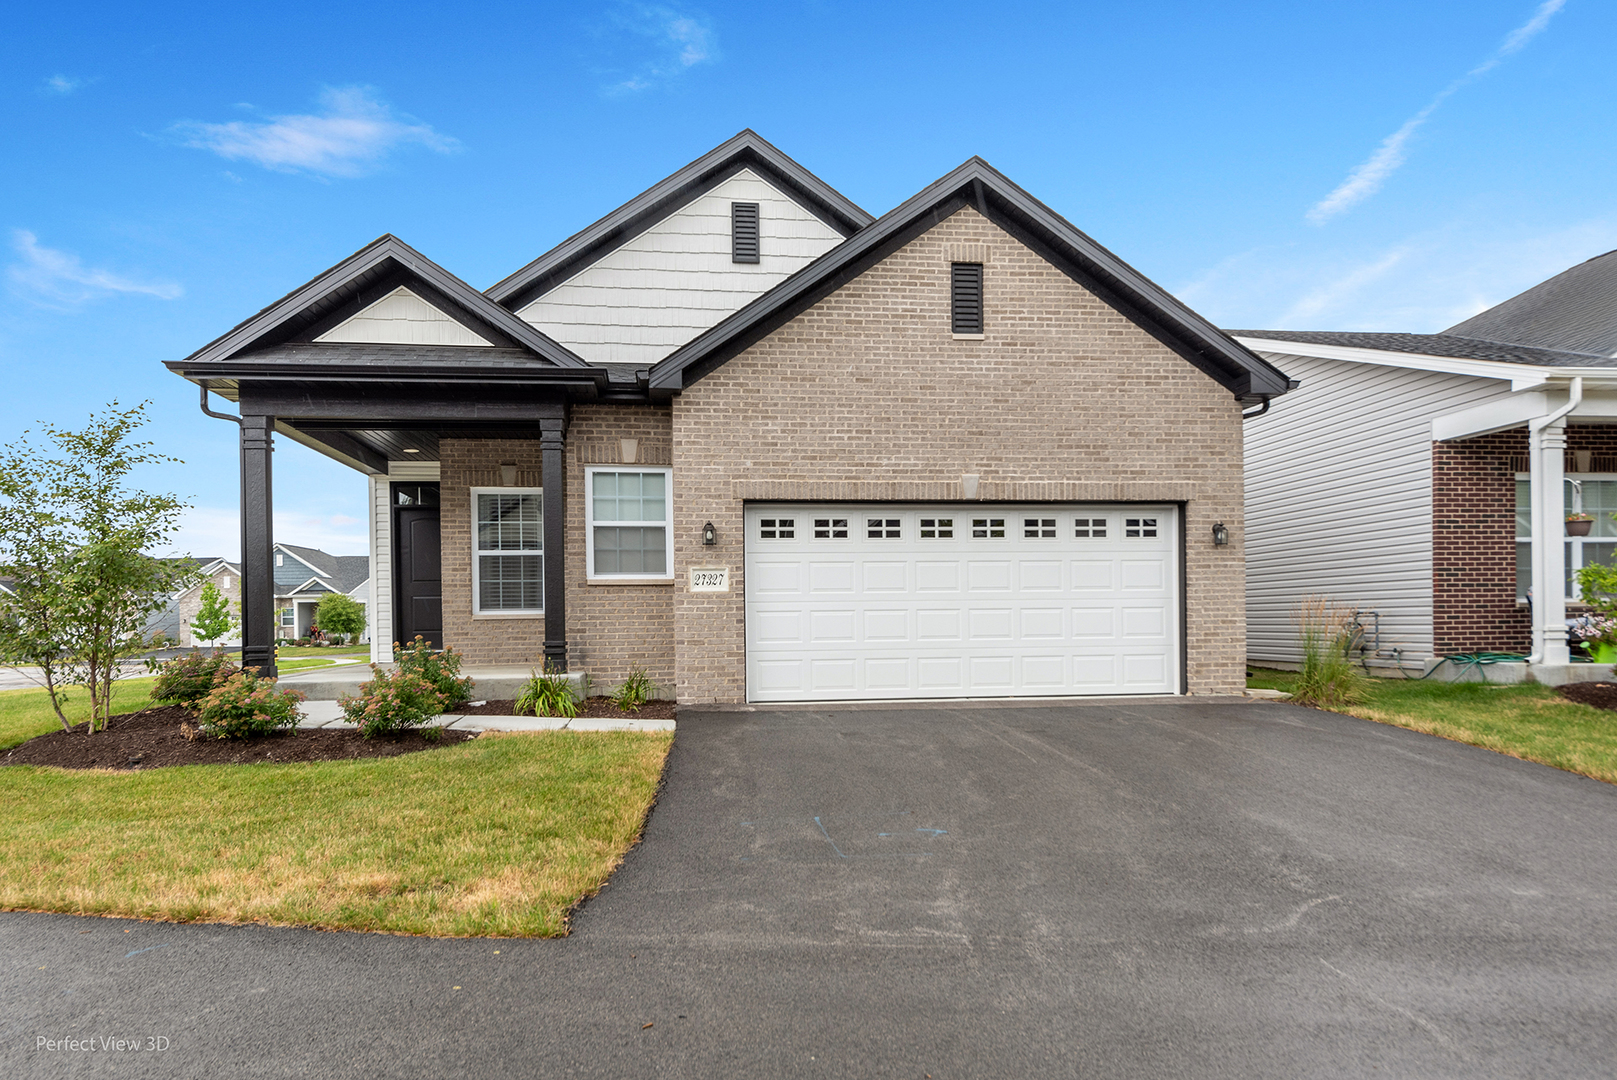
column 328, row 714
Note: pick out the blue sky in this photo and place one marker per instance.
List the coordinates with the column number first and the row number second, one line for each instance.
column 171, row 170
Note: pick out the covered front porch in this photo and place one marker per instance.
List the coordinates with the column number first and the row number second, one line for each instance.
column 1564, row 424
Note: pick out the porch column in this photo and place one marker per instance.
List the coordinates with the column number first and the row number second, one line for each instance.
column 552, row 442
column 1549, row 545
column 257, row 539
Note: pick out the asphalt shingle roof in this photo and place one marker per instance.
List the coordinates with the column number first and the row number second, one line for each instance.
column 1466, row 348
column 1576, row 310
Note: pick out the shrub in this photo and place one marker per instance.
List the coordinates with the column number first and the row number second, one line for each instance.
column 635, row 691
column 549, row 694
column 440, row 669
column 392, row 701
column 186, row 680
column 340, row 616
column 1328, row 633
column 245, row 705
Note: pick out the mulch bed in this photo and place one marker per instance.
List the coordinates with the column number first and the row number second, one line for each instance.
column 1602, row 695
column 594, row 706
column 152, row 738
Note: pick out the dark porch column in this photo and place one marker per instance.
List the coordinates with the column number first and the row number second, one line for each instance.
column 552, row 441
column 257, row 538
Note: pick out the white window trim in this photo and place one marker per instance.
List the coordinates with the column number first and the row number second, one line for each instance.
column 1575, row 562
column 477, row 591
column 590, row 575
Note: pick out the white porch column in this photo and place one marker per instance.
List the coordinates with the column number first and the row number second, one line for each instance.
column 1549, row 544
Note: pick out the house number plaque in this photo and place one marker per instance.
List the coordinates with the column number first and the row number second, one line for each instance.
column 710, row 579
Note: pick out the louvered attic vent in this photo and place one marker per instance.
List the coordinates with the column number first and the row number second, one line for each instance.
column 966, row 297
column 744, row 232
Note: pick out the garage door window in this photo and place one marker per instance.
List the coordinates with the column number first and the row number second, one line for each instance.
column 884, row 529
column 629, row 522
column 988, row 528
column 830, row 528
column 1089, row 528
column 1140, row 528
column 937, row 528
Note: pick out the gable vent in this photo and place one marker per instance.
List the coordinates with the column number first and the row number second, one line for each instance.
column 744, row 232
column 966, row 297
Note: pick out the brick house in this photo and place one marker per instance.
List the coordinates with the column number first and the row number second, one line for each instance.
column 1409, row 474
column 744, row 435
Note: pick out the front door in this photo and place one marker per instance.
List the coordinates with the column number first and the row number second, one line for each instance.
column 419, row 603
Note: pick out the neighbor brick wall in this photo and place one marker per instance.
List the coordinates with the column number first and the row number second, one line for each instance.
column 867, row 396
column 1474, row 606
column 191, row 603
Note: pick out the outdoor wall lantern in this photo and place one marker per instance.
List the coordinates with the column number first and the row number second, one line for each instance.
column 710, row 535
column 1221, row 535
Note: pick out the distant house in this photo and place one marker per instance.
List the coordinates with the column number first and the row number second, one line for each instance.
column 1410, row 474
column 303, row 575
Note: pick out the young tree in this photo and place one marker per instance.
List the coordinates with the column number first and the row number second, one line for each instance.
column 214, row 619
column 75, row 541
column 340, row 614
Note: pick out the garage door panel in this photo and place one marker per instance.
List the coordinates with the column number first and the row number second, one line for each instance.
column 929, row 602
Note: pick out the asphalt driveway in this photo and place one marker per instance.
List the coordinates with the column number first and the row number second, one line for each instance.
column 1140, row 889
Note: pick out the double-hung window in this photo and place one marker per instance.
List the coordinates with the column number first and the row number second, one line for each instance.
column 628, row 522
column 1595, row 495
column 508, row 556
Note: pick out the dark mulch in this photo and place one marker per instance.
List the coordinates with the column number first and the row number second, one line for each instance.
column 594, row 706
column 1602, row 695
column 153, row 738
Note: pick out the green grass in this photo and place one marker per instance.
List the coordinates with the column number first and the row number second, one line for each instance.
column 25, row 714
column 286, row 651
column 500, row 836
column 1526, row 720
column 286, row 666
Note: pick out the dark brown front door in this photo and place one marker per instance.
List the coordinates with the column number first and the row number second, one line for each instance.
column 419, row 604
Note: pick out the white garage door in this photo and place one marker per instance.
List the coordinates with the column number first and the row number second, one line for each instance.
column 854, row 602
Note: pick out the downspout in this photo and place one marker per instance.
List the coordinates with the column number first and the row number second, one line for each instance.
column 1540, row 514
column 1258, row 411
column 209, row 412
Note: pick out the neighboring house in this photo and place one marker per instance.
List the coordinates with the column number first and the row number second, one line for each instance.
column 176, row 617
column 743, row 435
column 1409, row 474
column 304, row 575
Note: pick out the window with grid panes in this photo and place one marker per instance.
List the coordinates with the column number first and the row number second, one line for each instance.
column 508, row 570
column 1598, row 499
column 629, row 523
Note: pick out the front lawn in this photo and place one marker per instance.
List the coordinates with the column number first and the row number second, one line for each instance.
column 499, row 836
column 27, row 713
column 283, row 652
column 1527, row 720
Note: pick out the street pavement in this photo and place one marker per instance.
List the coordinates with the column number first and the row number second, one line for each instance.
column 1121, row 889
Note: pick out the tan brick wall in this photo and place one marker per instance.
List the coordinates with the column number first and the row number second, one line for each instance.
column 868, row 396
column 610, row 628
column 191, row 603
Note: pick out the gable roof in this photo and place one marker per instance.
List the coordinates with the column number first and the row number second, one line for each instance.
column 1576, row 311
column 336, row 573
column 746, row 150
column 1445, row 344
column 359, row 280
column 978, row 184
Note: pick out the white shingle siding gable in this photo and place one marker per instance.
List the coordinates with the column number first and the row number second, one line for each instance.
column 402, row 318
column 645, row 299
column 1339, row 498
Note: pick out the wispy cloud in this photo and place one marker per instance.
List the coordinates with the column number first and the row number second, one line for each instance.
column 62, row 84
column 352, row 134
column 678, row 40
column 57, row 278
column 1368, row 178
column 1331, row 293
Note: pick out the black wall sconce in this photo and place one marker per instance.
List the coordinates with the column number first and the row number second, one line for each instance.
column 710, row 535
column 1221, row 535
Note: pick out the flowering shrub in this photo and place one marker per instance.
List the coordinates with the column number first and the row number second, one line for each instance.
column 244, row 705
column 188, row 679
column 392, row 701
column 440, row 669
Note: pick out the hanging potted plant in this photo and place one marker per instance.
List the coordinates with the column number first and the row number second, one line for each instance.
column 1579, row 524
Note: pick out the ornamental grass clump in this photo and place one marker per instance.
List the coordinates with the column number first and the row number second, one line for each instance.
column 392, row 701
column 549, row 694
column 244, row 705
column 1328, row 633
column 635, row 691
column 186, row 680
column 440, row 669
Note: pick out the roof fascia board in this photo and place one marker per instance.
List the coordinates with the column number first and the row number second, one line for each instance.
column 374, row 257
column 745, row 150
column 1500, row 414
column 1520, row 376
column 976, row 183
column 295, row 371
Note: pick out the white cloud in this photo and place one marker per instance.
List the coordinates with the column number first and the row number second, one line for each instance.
column 352, row 134
column 215, row 532
column 1420, row 284
column 1368, row 178
column 58, row 278
column 679, row 40
column 62, row 84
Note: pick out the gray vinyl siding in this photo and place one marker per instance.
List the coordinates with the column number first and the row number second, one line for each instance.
column 1339, row 498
